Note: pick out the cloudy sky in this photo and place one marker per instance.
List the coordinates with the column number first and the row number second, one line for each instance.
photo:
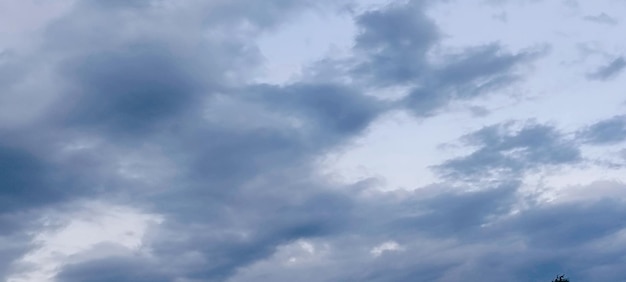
column 312, row 140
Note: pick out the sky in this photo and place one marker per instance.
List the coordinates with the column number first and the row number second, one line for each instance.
column 302, row 140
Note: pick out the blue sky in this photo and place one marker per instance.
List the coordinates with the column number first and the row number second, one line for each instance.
column 297, row 140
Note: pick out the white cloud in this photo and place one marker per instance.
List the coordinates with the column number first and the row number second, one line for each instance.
column 389, row 246
column 95, row 223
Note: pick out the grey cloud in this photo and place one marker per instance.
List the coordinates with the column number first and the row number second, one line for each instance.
column 136, row 86
column 110, row 269
column 489, row 63
column 607, row 131
column 311, row 118
column 475, row 237
column 479, row 111
column 246, row 224
column 460, row 213
column 393, row 48
column 506, row 153
column 547, row 227
column 31, row 183
column 611, row 70
column 244, row 187
column 24, row 178
column 33, row 178
column 35, row 182
column 15, row 242
column 329, row 107
column 11, row 69
column 505, row 2
column 119, row 4
column 602, row 18
column 564, row 230
column 395, row 42
column 475, row 72
column 223, row 165
column 262, row 14
column 453, row 214
column 130, row 91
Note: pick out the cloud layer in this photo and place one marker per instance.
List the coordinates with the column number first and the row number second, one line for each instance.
column 157, row 105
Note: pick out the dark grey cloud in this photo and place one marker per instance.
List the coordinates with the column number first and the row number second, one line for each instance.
column 611, row 70
column 24, row 178
column 602, row 18
column 504, row 152
column 130, row 91
column 34, row 176
column 609, row 131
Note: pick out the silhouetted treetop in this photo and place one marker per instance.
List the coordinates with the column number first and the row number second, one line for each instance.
column 560, row 278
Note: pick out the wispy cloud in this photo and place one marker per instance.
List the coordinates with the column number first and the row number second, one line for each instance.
column 611, row 70
column 602, row 18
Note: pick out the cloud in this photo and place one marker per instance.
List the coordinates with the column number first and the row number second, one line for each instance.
column 155, row 105
column 602, row 18
column 123, row 269
column 459, row 213
column 549, row 229
column 114, row 90
column 24, row 178
column 14, row 244
column 504, row 2
column 503, row 151
column 476, row 71
column 609, row 131
column 395, row 47
column 395, row 42
column 449, row 235
column 609, row 71
column 328, row 107
column 129, row 91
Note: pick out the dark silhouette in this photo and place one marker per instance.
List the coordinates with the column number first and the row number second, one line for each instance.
column 560, row 278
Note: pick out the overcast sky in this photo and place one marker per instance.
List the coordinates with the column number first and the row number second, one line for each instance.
column 312, row 140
